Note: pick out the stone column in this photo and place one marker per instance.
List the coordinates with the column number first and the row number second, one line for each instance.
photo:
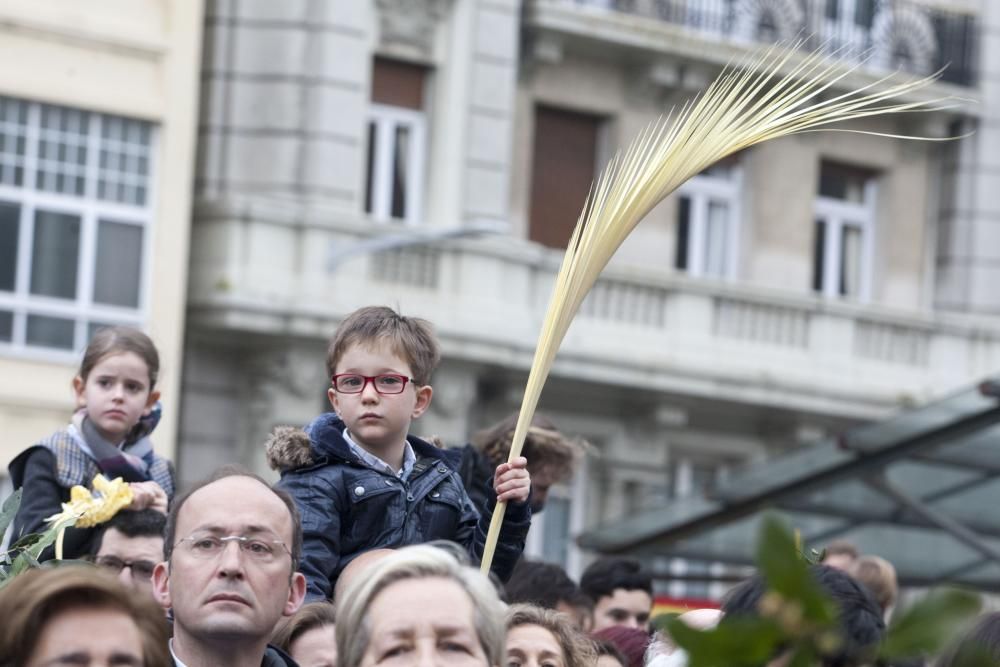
column 284, row 88
column 490, row 111
column 969, row 243
column 455, row 392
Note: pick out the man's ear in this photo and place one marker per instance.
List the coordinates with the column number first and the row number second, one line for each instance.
column 161, row 584
column 424, row 393
column 296, row 594
column 78, row 385
column 331, row 395
column 154, row 396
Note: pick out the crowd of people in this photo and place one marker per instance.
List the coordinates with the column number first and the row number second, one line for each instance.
column 363, row 554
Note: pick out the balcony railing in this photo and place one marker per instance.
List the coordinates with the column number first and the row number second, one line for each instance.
column 268, row 273
column 887, row 34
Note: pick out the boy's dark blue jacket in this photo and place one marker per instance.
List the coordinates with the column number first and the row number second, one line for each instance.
column 348, row 508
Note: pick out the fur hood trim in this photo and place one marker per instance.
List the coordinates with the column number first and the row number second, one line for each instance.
column 288, row 448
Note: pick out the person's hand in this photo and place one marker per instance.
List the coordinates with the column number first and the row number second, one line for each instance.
column 148, row 495
column 512, row 482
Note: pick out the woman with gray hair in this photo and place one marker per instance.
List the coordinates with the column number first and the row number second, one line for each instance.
column 418, row 605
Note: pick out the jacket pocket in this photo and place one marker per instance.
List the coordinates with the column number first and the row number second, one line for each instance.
column 376, row 510
column 441, row 513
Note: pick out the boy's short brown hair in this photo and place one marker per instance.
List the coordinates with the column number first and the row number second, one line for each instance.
column 411, row 338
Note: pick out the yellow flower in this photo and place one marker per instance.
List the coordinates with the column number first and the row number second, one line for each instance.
column 114, row 495
column 86, row 509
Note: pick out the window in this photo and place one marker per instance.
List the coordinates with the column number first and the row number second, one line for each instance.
column 556, row 536
column 708, row 223
column 847, row 25
column 396, row 142
column 562, row 169
column 75, row 213
column 645, row 494
column 844, row 219
column 692, row 476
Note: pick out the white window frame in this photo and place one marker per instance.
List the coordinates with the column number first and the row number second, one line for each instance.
column 701, row 190
column 843, row 31
column 387, row 119
column 682, row 472
column 91, row 210
column 836, row 215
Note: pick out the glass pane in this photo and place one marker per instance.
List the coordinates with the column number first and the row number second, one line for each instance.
column 117, row 270
column 717, row 239
column 643, row 496
column 722, row 169
column 683, row 233
column 123, row 160
column 6, row 326
column 400, row 172
column 50, row 332
column 557, row 511
column 55, row 254
column 702, row 477
column 370, row 182
column 850, row 261
column 13, row 130
column 94, row 327
column 62, row 150
column 10, row 215
column 864, row 13
column 843, row 182
column 819, row 255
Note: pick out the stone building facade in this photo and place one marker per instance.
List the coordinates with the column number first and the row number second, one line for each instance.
column 433, row 155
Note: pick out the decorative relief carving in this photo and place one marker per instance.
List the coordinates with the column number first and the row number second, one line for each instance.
column 620, row 301
column 280, row 387
column 297, row 374
column 653, row 85
column 415, row 267
column 761, row 322
column 768, row 20
column 903, row 38
column 409, row 26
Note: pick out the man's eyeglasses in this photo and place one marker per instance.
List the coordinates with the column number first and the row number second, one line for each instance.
column 386, row 383
column 260, row 549
column 141, row 570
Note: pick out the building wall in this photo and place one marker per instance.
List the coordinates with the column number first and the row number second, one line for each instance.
column 969, row 255
column 780, row 187
column 673, row 378
column 133, row 59
column 282, row 92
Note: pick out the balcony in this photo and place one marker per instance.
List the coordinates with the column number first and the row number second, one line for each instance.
column 888, row 35
column 263, row 270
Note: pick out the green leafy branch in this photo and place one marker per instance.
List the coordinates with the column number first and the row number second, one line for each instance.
column 24, row 553
column 796, row 618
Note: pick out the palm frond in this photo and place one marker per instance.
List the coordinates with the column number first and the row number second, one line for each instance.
column 745, row 105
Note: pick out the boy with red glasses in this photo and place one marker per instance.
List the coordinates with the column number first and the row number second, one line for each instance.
column 361, row 482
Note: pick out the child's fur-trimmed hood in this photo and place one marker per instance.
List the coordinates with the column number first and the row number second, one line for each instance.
column 288, row 448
